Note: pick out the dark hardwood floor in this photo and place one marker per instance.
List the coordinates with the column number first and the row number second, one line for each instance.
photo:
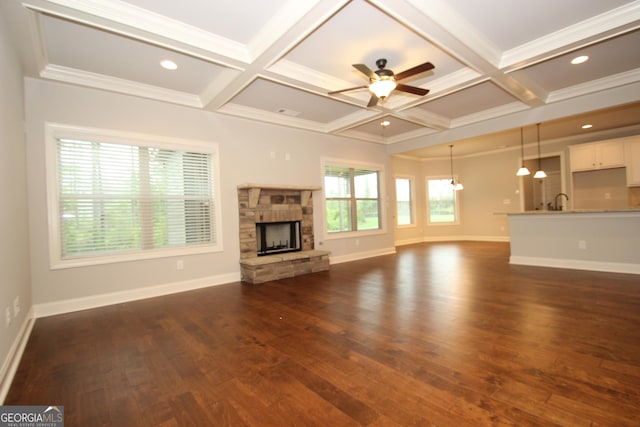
column 443, row 334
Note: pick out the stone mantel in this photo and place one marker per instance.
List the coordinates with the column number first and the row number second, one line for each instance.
column 254, row 191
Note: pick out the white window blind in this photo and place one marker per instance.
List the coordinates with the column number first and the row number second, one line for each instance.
column 118, row 198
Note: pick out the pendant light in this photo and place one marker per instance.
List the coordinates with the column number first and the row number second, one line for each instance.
column 539, row 173
column 523, row 169
column 456, row 186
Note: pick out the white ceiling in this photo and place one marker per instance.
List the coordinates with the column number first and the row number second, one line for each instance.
column 499, row 64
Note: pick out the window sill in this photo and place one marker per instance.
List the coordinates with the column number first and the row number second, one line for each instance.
column 57, row 264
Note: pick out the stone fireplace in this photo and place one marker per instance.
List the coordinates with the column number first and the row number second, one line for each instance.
column 276, row 232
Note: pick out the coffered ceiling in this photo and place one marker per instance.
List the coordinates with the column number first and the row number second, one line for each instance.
column 499, row 64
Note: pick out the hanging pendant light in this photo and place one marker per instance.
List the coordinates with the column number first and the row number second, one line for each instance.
column 456, row 186
column 539, row 173
column 523, row 169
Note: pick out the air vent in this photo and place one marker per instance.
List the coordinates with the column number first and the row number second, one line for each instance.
column 288, row 112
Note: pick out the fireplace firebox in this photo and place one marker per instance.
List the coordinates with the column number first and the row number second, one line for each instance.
column 278, row 237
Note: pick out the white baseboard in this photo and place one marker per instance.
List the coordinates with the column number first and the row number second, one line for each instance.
column 11, row 363
column 361, row 255
column 427, row 239
column 576, row 264
column 84, row 303
column 503, row 239
column 411, row 241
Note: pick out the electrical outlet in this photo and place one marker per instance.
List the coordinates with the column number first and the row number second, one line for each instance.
column 8, row 316
column 582, row 244
column 16, row 306
column 180, row 264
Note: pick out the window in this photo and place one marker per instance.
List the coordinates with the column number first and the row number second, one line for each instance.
column 120, row 198
column 404, row 201
column 443, row 203
column 352, row 197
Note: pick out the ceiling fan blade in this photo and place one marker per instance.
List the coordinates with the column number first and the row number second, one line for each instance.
column 366, row 71
column 412, row 89
column 373, row 101
column 415, row 70
column 348, row 89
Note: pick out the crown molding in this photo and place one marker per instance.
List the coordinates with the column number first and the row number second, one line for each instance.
column 605, row 25
column 622, row 79
column 100, row 81
column 490, row 113
column 121, row 13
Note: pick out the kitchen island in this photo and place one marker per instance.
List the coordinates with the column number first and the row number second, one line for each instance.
column 601, row 240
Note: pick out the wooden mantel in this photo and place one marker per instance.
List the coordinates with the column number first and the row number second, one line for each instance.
column 254, row 191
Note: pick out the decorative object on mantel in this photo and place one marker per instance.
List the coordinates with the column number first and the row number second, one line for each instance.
column 523, row 169
column 456, row 186
column 539, row 173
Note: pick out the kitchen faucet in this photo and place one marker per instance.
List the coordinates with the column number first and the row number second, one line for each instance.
column 556, row 208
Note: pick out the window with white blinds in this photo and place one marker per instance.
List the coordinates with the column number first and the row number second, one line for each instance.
column 128, row 198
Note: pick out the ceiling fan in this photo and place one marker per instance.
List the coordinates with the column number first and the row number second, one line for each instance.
column 383, row 81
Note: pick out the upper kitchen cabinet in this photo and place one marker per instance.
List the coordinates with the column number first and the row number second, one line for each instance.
column 632, row 153
column 597, row 155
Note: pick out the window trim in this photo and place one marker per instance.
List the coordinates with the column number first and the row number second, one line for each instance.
column 412, row 195
column 54, row 131
column 428, row 201
column 381, row 199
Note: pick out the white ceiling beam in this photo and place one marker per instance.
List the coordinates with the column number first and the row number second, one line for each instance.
column 568, row 107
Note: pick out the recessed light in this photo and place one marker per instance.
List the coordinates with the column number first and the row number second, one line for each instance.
column 385, row 123
column 587, row 126
column 168, row 64
column 579, row 59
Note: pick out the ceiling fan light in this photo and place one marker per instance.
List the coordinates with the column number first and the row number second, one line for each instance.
column 523, row 171
column 383, row 87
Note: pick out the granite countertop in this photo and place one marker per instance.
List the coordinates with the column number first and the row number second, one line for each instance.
column 572, row 211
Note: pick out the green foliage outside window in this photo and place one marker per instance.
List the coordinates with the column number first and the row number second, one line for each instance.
column 352, row 201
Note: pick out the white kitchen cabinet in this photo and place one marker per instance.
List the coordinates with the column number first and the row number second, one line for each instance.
column 597, row 155
column 632, row 155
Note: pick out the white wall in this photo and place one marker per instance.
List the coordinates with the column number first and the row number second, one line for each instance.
column 245, row 156
column 14, row 235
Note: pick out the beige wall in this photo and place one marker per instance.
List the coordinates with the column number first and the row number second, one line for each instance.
column 491, row 187
column 608, row 241
column 486, row 189
column 245, row 156
column 602, row 189
column 14, row 248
